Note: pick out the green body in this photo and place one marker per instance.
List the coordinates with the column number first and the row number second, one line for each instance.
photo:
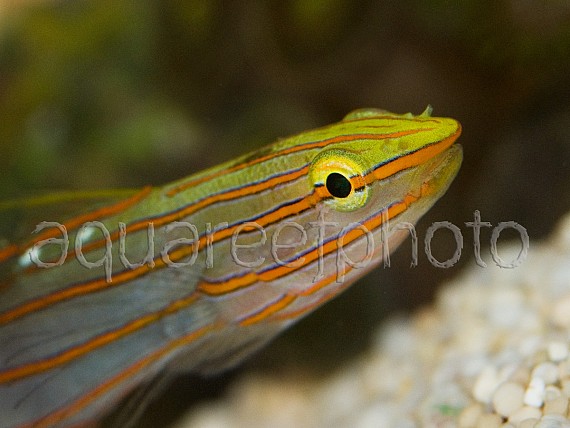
column 265, row 239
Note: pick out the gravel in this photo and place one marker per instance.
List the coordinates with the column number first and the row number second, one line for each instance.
column 493, row 351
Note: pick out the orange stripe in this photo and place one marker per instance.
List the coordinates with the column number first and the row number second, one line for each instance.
column 68, row 293
column 240, row 192
column 191, row 209
column 208, row 288
column 9, row 251
column 304, row 310
column 384, row 171
column 316, row 287
column 276, row 306
column 325, row 298
column 307, row 146
column 66, row 412
column 312, row 290
column 411, row 160
column 129, row 275
column 76, row 222
column 220, row 288
column 321, row 284
column 74, row 352
column 94, row 215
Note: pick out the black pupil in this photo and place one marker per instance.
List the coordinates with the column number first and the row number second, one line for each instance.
column 338, row 185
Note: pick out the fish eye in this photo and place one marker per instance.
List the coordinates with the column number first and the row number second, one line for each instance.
column 338, row 179
column 338, row 185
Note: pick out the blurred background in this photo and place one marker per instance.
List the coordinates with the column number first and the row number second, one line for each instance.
column 119, row 93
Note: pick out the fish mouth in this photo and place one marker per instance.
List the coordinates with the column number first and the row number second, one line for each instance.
column 439, row 172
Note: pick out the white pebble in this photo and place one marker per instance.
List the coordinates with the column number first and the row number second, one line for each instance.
column 525, row 413
column 557, row 351
column 521, row 375
column 508, row 398
column 565, row 387
column 469, row 416
column 553, row 421
column 551, row 393
column 534, row 395
column 547, row 371
column 558, row 406
column 528, row 423
column 377, row 415
column 489, row 420
column 486, row 384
